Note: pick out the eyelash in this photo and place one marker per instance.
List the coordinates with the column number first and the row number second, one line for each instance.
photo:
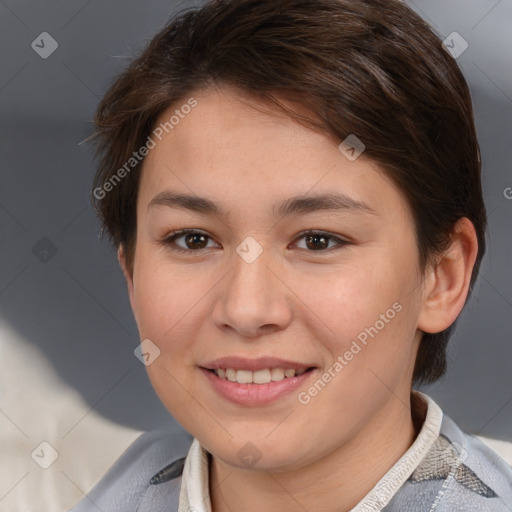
column 169, row 240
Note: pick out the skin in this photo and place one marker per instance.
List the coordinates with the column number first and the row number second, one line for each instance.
column 292, row 302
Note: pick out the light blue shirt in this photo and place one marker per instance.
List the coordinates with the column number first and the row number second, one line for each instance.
column 444, row 470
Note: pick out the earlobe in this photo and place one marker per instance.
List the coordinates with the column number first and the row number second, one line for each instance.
column 447, row 286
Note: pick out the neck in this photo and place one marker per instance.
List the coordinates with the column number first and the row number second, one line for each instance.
column 336, row 482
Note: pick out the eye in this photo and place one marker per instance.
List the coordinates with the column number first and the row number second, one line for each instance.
column 319, row 241
column 191, row 241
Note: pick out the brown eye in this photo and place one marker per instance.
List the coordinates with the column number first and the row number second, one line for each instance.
column 320, row 242
column 188, row 241
column 316, row 242
column 196, row 241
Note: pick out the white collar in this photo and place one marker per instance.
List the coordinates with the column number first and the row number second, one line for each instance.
column 195, row 494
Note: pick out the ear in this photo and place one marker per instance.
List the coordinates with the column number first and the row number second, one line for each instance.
column 446, row 286
column 128, row 278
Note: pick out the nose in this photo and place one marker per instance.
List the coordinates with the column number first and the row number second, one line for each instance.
column 253, row 299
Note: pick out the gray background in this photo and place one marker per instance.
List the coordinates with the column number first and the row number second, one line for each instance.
column 60, row 285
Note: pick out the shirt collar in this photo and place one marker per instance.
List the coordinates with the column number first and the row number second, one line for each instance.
column 195, row 494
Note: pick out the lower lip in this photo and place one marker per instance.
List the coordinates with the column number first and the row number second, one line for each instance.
column 255, row 394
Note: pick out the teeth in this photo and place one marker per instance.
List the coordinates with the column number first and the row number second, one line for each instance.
column 244, row 376
column 277, row 374
column 261, row 376
column 257, row 377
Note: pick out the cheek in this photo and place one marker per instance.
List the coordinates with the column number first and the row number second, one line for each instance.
column 366, row 313
column 167, row 310
column 347, row 300
column 164, row 297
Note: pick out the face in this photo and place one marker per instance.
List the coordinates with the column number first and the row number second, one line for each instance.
column 296, row 258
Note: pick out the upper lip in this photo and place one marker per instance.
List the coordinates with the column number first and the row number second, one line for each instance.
column 260, row 363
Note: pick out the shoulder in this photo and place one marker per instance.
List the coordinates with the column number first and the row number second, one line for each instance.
column 458, row 474
column 478, row 472
column 127, row 487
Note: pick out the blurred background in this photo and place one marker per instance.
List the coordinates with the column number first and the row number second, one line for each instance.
column 72, row 394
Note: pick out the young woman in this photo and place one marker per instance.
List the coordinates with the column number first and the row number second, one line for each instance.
column 294, row 191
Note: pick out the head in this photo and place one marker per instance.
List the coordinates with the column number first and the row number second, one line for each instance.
column 253, row 107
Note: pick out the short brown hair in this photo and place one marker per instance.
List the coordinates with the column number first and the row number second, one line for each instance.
column 372, row 68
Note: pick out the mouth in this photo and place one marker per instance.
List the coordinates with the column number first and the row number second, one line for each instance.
column 263, row 376
column 256, row 382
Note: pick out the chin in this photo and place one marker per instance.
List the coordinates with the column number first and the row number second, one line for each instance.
column 258, row 452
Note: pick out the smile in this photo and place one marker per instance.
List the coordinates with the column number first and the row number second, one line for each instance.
column 263, row 376
column 254, row 383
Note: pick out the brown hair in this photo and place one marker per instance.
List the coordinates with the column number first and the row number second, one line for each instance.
column 372, row 68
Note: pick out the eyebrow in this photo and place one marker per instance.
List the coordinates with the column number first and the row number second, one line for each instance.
column 292, row 206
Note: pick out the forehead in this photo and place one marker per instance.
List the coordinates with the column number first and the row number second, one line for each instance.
column 233, row 147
